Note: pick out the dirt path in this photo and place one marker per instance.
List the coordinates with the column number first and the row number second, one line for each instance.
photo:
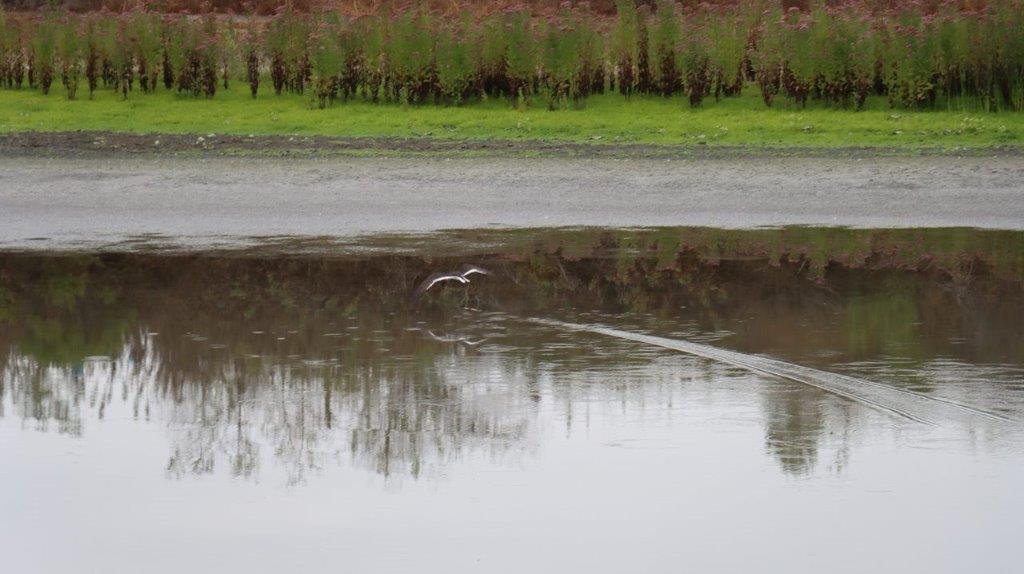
column 108, row 144
column 63, row 202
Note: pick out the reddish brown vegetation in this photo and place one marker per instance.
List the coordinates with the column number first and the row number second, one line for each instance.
column 916, row 56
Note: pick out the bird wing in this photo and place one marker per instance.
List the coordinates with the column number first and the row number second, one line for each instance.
column 433, row 280
column 468, row 270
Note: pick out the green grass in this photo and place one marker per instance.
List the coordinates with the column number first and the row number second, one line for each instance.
column 610, row 118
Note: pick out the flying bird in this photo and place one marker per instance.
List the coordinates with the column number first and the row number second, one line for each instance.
column 468, row 270
column 462, row 276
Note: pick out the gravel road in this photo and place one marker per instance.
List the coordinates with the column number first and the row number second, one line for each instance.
column 54, row 203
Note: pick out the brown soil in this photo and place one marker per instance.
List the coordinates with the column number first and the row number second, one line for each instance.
column 70, row 144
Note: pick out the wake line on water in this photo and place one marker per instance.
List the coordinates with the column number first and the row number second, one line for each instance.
column 888, row 399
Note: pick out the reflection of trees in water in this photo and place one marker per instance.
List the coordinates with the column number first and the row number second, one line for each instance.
column 305, row 360
column 415, row 410
column 43, row 395
column 797, row 421
column 398, row 418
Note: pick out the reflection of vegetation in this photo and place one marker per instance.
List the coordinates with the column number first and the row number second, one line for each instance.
column 883, row 324
column 307, row 359
column 793, row 426
column 798, row 421
column 55, row 340
column 6, row 305
column 953, row 253
column 62, row 310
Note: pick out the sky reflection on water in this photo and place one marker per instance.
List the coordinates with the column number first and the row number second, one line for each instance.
column 190, row 413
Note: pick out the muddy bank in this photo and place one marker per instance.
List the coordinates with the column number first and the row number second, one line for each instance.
column 196, row 203
column 106, row 144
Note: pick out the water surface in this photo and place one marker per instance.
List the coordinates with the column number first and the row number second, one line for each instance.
column 255, row 411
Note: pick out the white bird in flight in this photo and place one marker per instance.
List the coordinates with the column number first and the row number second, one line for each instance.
column 461, row 276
